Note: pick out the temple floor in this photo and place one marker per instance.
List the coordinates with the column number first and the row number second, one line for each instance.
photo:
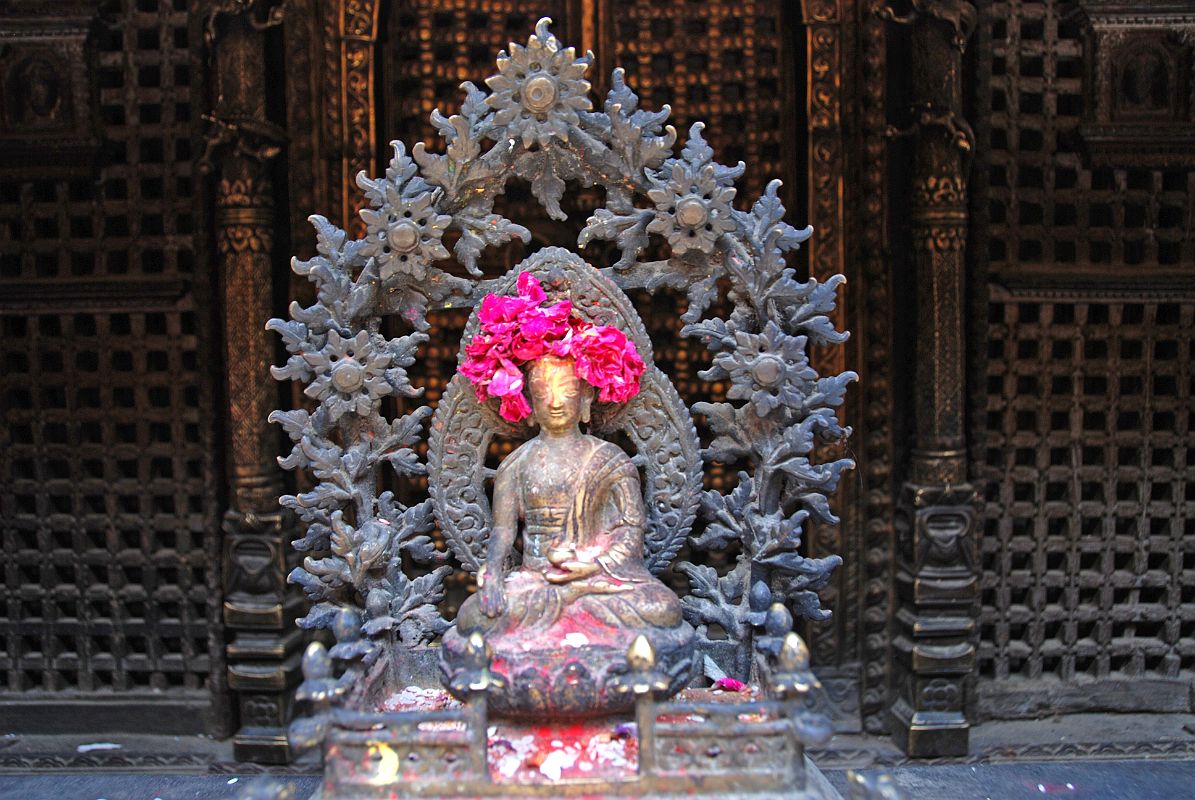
column 1056, row 780
column 1075, row 757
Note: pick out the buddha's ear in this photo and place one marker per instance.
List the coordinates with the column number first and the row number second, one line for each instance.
column 586, row 404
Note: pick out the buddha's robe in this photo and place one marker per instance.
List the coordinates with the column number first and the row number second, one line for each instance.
column 600, row 519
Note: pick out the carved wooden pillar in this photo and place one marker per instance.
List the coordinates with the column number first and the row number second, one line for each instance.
column 937, row 584
column 263, row 654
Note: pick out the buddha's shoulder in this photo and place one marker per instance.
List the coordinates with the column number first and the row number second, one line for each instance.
column 513, row 461
column 606, row 450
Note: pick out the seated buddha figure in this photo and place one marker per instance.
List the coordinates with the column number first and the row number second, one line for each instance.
column 579, row 500
column 560, row 619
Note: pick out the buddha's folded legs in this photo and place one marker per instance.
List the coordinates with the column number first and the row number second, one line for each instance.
column 533, row 605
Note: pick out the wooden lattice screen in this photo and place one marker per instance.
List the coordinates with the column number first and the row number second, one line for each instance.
column 1082, row 417
column 108, row 500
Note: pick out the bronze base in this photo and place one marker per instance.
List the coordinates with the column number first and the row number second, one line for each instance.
column 709, row 753
column 548, row 679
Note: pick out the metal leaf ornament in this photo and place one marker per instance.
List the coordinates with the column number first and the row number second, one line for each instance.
column 537, row 123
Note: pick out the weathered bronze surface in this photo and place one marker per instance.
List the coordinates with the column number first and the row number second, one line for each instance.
column 753, row 73
column 752, row 748
column 582, row 592
column 592, row 535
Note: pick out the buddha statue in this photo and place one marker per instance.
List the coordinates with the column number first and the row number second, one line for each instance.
column 559, row 622
column 582, row 512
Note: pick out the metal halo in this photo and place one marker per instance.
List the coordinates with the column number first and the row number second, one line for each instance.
column 656, row 421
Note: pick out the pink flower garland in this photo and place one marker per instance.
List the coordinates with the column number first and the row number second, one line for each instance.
column 518, row 330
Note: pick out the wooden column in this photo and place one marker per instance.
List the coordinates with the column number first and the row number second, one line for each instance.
column 264, row 651
column 936, row 583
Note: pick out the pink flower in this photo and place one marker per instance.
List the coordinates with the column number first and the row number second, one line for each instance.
column 483, row 356
column 531, row 289
column 536, row 327
column 730, row 684
column 496, row 310
column 515, row 407
column 507, row 380
column 517, row 330
column 607, row 359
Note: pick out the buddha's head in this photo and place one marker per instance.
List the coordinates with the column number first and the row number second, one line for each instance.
column 559, row 399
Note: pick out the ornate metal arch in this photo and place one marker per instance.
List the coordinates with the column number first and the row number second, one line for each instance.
column 655, row 421
column 537, row 124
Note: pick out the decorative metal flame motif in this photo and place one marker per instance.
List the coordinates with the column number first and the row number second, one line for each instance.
column 538, row 125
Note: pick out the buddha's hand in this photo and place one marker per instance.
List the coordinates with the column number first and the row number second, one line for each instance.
column 493, row 599
column 569, row 571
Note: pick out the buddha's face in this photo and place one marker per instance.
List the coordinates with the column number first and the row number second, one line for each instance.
column 559, row 399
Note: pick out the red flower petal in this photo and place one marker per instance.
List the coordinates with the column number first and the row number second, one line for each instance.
column 507, row 380
column 531, row 289
column 514, row 407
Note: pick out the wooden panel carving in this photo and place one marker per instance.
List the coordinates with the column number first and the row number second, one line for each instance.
column 46, row 100
column 108, row 480
column 1139, row 83
column 1081, row 394
column 1089, row 539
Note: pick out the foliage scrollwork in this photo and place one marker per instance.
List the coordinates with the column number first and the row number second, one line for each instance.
column 538, row 123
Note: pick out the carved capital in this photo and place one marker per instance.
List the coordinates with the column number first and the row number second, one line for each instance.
column 231, row 140
column 940, row 238
column 47, row 126
column 959, row 16
column 261, row 14
column 935, row 532
column 237, row 235
column 255, row 566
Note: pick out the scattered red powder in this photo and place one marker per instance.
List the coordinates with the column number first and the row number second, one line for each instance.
column 525, row 753
column 604, row 748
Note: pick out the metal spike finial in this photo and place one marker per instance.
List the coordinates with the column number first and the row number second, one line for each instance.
column 641, row 656
column 794, row 653
column 316, row 663
column 642, row 675
column 779, row 620
column 791, row 676
column 475, row 674
column 760, row 597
